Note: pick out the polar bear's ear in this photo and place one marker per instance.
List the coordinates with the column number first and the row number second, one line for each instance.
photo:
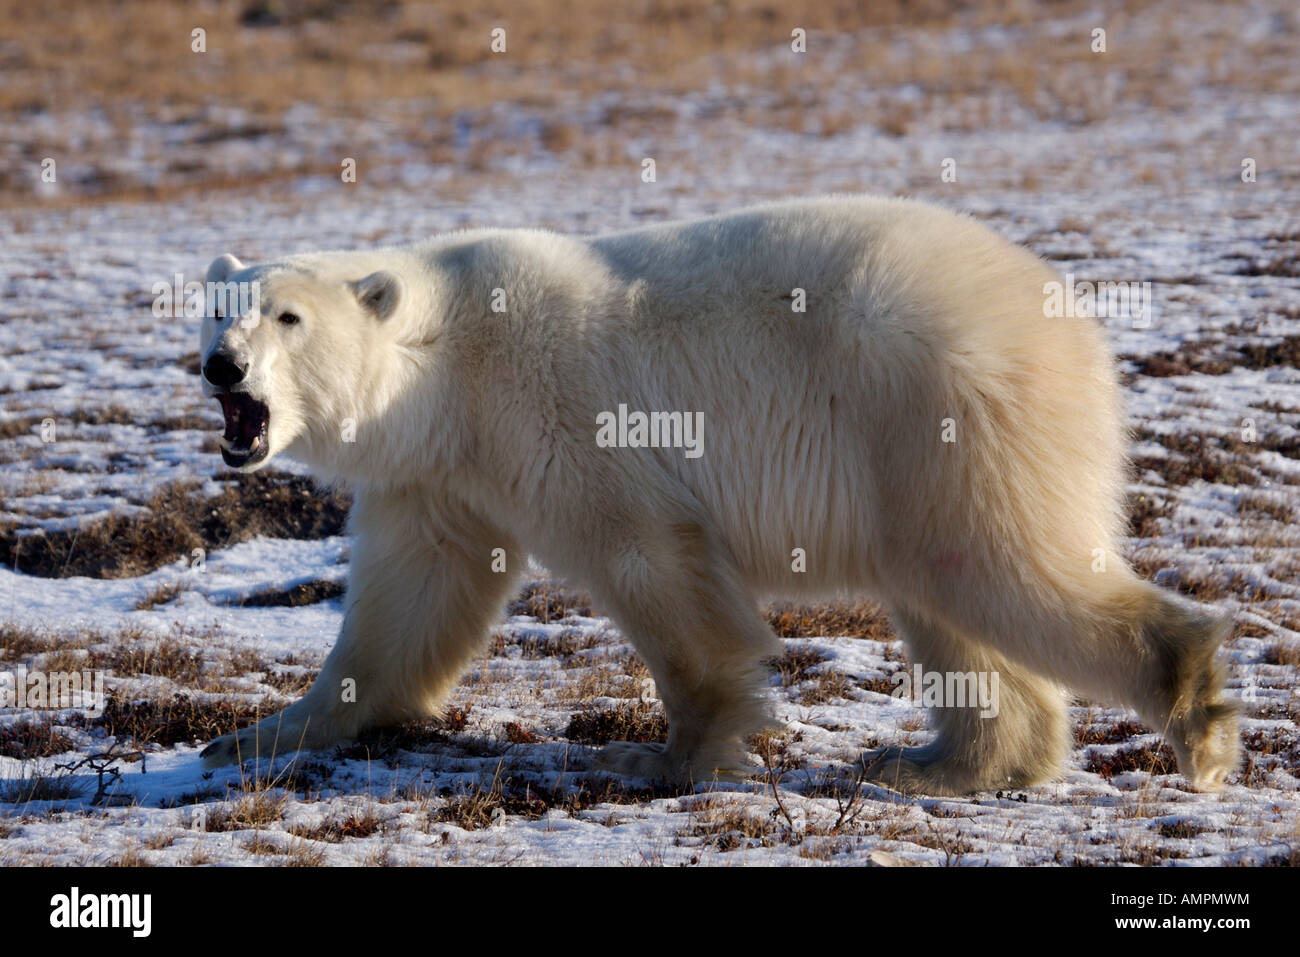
column 222, row 267
column 379, row 293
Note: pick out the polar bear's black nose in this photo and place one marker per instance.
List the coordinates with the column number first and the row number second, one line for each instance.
column 222, row 371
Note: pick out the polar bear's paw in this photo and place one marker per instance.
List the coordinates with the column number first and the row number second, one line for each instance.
column 654, row 762
column 635, row 760
column 271, row 737
column 917, row 771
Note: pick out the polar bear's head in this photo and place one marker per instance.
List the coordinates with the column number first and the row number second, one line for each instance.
column 285, row 349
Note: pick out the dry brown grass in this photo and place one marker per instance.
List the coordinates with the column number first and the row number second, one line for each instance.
column 1202, row 356
column 797, row 664
column 1146, row 513
column 478, row 807
column 805, row 667
column 1266, row 509
column 26, row 740
column 631, row 722
column 291, row 684
column 728, row 824
column 36, row 783
column 307, row 593
column 67, row 58
column 601, row 682
column 66, row 423
column 131, row 857
column 261, row 846
column 19, row 641
column 162, row 595
column 167, row 658
column 261, row 57
column 565, row 645
column 1108, row 733
column 302, row 854
column 339, row 829
column 198, row 857
column 1197, row 458
column 858, row 620
column 1285, row 653
column 548, row 602
column 177, row 521
column 517, row 733
column 180, row 719
column 250, row 812
column 70, row 52
column 1153, row 759
column 64, row 657
column 247, row 661
column 1219, row 458
column 826, row 685
column 774, row 746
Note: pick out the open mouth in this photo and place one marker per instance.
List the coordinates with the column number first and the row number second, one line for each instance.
column 244, row 441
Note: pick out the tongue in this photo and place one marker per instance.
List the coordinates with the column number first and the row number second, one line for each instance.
column 230, row 409
column 242, row 425
column 248, row 432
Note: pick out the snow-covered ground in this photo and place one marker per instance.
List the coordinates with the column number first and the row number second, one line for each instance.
column 191, row 640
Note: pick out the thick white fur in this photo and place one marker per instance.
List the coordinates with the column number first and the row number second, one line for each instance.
column 476, row 429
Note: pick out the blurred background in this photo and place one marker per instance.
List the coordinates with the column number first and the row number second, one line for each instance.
column 120, row 96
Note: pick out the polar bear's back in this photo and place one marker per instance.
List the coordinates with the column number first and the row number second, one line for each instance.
column 823, row 246
column 843, row 276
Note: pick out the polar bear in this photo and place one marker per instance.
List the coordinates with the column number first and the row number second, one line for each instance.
column 880, row 405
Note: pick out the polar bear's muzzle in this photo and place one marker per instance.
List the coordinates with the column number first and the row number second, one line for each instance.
column 247, row 420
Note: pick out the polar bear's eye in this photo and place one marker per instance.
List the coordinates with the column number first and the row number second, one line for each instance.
column 289, row 318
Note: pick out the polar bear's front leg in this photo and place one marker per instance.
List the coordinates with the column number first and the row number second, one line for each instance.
column 422, row 592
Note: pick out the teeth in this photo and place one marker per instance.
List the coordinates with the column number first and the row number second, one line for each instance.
column 230, row 446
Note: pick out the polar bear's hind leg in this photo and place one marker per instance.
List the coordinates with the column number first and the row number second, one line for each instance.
column 1018, row 737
